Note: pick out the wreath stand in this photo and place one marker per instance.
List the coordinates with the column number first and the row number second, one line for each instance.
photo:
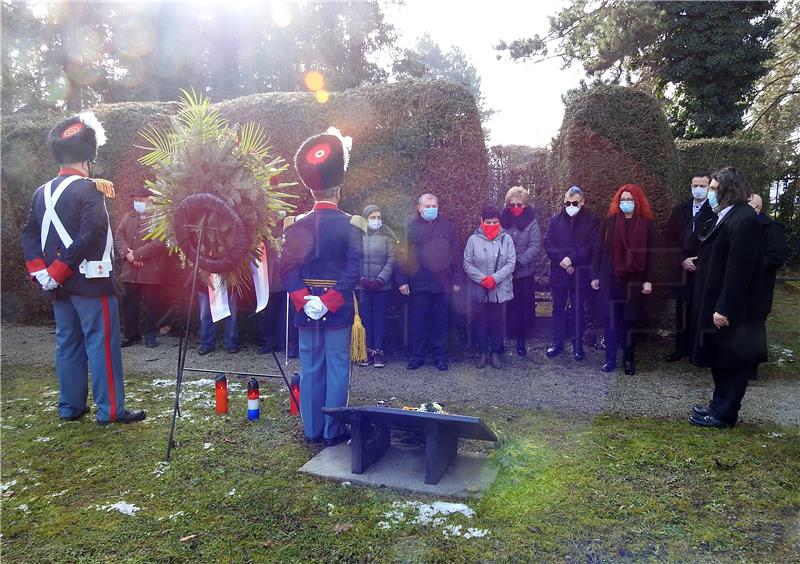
column 192, row 220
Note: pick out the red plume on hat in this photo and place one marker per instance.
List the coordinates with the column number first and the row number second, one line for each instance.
column 322, row 159
column 76, row 139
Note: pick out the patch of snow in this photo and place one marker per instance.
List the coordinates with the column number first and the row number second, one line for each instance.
column 43, row 439
column 176, row 515
column 62, row 492
column 23, row 507
column 207, row 446
column 433, row 515
column 4, row 487
column 473, row 533
column 231, row 493
column 161, row 469
column 121, row 506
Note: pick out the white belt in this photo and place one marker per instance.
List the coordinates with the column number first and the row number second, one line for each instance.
column 89, row 268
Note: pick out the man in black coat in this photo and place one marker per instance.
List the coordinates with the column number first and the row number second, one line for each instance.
column 729, row 301
column 568, row 242
column 776, row 248
column 429, row 271
column 685, row 224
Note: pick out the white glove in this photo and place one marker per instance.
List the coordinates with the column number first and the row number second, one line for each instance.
column 49, row 284
column 314, row 307
column 41, row 276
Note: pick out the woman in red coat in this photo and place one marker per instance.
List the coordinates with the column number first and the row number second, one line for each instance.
column 622, row 270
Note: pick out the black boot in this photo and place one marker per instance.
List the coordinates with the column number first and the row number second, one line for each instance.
column 577, row 350
column 521, row 350
column 481, row 362
column 627, row 358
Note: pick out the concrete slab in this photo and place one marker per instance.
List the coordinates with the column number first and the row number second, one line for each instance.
column 403, row 467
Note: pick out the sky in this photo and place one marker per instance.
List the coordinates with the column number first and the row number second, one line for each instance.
column 525, row 96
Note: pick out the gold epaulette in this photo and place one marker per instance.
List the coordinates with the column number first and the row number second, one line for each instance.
column 290, row 220
column 105, row 187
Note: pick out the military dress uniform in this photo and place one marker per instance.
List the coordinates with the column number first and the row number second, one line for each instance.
column 68, row 247
column 320, row 267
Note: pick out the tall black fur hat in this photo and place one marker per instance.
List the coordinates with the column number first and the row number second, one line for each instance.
column 322, row 159
column 76, row 139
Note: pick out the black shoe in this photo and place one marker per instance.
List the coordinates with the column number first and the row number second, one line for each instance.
column 609, row 367
column 234, row 350
column 203, row 350
column 336, row 440
column 497, row 360
column 630, row 368
column 674, row 356
column 264, row 349
column 521, row 349
column 75, row 417
column 127, row 416
column 128, row 341
column 314, row 440
column 293, row 351
column 578, row 354
column 414, row 363
column 701, row 410
column 441, row 364
column 708, row 421
column 554, row 351
column 481, row 362
column 150, row 342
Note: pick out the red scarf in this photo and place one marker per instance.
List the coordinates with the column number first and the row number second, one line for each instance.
column 630, row 245
column 491, row 231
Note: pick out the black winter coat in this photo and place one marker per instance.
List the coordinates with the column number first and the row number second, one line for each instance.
column 776, row 249
column 730, row 280
column 573, row 237
column 614, row 289
column 682, row 241
column 432, row 257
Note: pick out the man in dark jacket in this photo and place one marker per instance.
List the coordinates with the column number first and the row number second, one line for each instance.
column 430, row 270
column 729, row 301
column 568, row 242
column 685, row 224
column 142, row 271
column 68, row 249
column 776, row 248
column 320, row 267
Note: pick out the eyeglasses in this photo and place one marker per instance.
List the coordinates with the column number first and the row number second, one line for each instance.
column 516, row 205
column 568, row 204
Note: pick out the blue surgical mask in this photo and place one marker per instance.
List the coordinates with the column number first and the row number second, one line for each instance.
column 429, row 214
column 626, row 206
column 375, row 224
column 140, row 207
column 699, row 192
column 712, row 198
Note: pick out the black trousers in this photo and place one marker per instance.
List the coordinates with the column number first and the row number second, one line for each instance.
column 429, row 324
column 682, row 326
column 577, row 302
column 150, row 296
column 272, row 323
column 521, row 311
column 618, row 331
column 490, row 321
column 729, row 389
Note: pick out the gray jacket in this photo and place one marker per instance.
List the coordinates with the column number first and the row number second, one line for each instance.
column 378, row 260
column 481, row 255
column 527, row 239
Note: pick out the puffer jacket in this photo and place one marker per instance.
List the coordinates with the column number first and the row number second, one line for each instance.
column 378, row 260
column 480, row 257
column 527, row 236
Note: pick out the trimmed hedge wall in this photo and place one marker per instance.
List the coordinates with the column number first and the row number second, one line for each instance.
column 610, row 136
column 713, row 154
column 408, row 138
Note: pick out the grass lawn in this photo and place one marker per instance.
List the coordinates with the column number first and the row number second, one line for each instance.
column 569, row 488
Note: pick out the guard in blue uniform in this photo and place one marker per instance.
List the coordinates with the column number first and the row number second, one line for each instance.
column 320, row 267
column 68, row 249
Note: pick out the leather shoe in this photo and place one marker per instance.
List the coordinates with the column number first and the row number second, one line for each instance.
column 313, row 440
column 579, row 354
column 150, row 342
column 75, row 417
column 233, row 350
column 497, row 360
column 521, row 349
column 128, row 341
column 203, row 350
column 127, row 416
column 336, row 440
column 293, row 351
column 481, row 362
column 441, row 364
column 609, row 367
column 708, row 421
column 701, row 410
column 554, row 351
column 674, row 356
column 414, row 363
column 630, row 368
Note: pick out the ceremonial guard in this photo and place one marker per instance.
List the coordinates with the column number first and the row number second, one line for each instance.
column 68, row 245
column 320, row 268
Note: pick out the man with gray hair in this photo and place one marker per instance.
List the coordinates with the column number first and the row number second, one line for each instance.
column 568, row 242
column 430, row 271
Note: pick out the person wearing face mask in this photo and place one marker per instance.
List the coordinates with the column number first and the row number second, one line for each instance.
column 686, row 222
column 729, row 301
column 489, row 261
column 377, row 277
column 623, row 264
column 569, row 242
column 519, row 221
column 142, row 271
column 431, row 270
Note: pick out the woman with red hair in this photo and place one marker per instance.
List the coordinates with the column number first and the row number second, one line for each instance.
column 622, row 270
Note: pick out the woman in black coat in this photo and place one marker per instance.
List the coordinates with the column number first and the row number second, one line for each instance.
column 729, row 300
column 622, row 270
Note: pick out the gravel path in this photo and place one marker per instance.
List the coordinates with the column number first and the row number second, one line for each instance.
column 563, row 385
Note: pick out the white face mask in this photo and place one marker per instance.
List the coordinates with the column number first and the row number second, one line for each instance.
column 699, row 192
column 572, row 210
column 140, row 207
column 375, row 223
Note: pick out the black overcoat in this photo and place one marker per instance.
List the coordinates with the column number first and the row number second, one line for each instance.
column 681, row 241
column 614, row 289
column 730, row 280
column 572, row 237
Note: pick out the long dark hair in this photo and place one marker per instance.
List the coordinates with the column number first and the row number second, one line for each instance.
column 732, row 189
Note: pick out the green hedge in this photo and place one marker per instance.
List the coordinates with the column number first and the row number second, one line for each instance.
column 610, row 136
column 408, row 138
column 713, row 154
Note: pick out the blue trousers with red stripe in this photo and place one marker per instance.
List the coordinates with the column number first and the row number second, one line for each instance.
column 87, row 342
